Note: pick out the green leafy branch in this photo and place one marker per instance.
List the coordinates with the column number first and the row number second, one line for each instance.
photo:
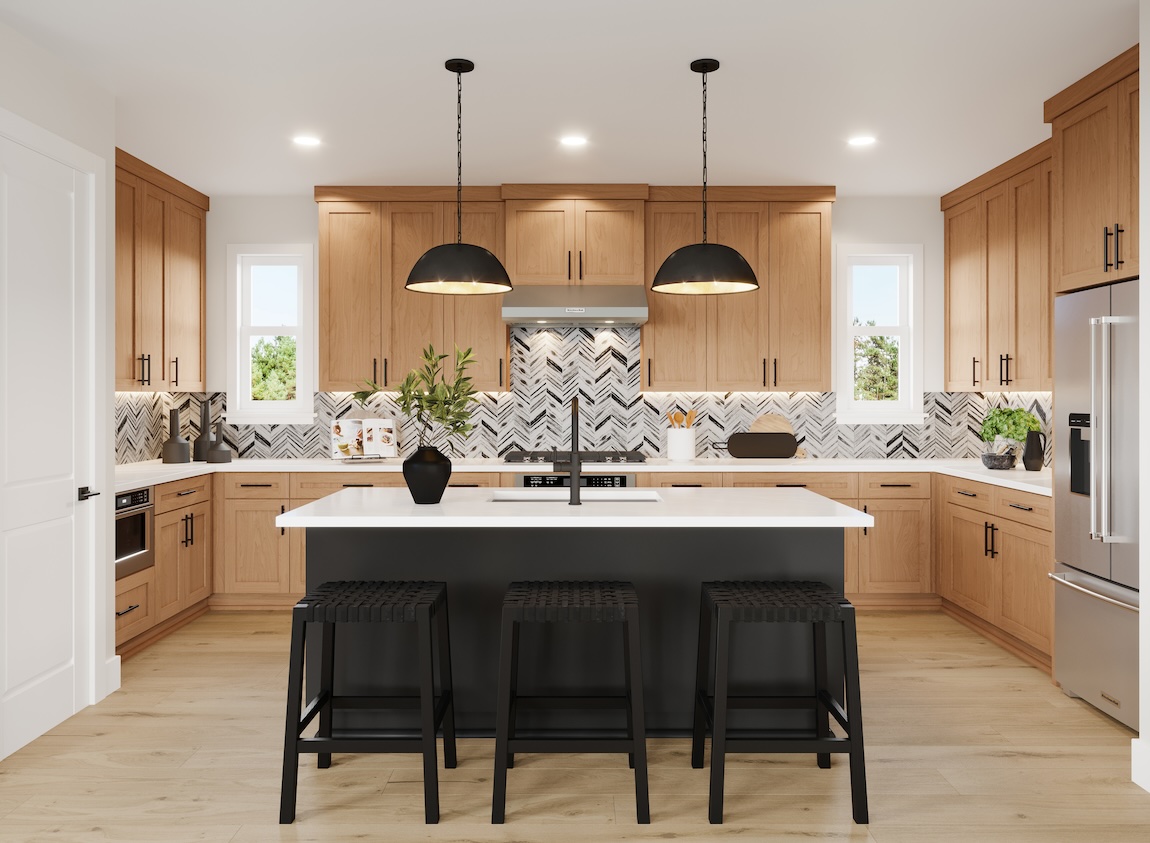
column 426, row 395
column 1009, row 423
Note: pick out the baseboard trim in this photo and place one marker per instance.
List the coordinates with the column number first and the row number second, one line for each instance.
column 252, row 602
column 145, row 639
column 1004, row 640
column 909, row 602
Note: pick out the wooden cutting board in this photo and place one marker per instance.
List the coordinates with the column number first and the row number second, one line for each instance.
column 771, row 423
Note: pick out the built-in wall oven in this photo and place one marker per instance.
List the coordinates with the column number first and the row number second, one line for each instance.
column 135, row 548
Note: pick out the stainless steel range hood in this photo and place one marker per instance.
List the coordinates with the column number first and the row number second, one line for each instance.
column 570, row 305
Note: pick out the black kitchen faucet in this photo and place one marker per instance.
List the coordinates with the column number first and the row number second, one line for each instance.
column 575, row 460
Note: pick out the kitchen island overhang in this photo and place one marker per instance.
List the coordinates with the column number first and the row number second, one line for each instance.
column 666, row 547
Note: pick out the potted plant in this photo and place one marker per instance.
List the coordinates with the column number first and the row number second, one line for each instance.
column 1005, row 429
column 431, row 395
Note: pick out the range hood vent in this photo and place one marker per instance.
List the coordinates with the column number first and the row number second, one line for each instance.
column 569, row 305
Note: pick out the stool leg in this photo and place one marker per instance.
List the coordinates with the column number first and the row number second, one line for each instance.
column 326, row 683
column 450, row 760
column 514, row 699
column 427, row 715
column 627, row 683
column 702, row 669
column 719, row 730
column 636, row 725
column 503, row 718
column 854, row 718
column 291, row 721
column 822, row 686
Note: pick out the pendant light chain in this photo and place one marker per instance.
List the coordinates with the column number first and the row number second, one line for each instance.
column 704, row 157
column 458, row 157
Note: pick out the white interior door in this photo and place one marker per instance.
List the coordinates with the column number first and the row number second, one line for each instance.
column 46, row 441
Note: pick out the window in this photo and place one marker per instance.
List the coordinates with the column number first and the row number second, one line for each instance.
column 271, row 376
column 879, row 316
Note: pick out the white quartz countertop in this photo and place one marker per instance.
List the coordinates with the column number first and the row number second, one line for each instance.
column 469, row 507
column 151, row 472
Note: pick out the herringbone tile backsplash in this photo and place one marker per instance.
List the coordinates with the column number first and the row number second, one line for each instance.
column 602, row 367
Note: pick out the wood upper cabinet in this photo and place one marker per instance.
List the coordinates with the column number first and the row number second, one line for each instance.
column 371, row 327
column 575, row 241
column 775, row 338
column 799, row 281
column 1095, row 186
column 160, row 280
column 999, row 301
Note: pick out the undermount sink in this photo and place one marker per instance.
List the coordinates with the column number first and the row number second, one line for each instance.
column 585, row 495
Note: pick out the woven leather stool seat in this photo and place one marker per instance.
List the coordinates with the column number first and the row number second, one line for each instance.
column 558, row 601
column 331, row 604
column 565, row 601
column 778, row 602
column 725, row 604
column 368, row 601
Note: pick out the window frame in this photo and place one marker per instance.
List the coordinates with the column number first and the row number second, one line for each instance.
column 241, row 409
column 909, row 407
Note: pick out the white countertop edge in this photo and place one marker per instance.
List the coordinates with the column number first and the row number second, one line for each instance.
column 708, row 508
column 152, row 472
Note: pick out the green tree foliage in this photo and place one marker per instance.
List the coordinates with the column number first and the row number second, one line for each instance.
column 273, row 369
column 876, row 368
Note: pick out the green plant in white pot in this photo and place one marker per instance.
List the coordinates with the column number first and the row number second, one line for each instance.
column 1004, row 430
column 430, row 396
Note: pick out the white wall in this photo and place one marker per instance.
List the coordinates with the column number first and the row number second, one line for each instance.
column 248, row 219
column 902, row 219
column 44, row 89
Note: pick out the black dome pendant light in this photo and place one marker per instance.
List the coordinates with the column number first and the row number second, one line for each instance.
column 458, row 268
column 705, row 268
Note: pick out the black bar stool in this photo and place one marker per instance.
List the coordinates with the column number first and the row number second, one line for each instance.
column 334, row 603
column 569, row 602
column 724, row 603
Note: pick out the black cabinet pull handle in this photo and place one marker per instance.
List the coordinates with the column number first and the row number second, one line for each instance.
column 1020, row 506
column 965, row 493
column 176, row 381
column 375, row 370
column 568, row 264
column 895, row 485
column 283, row 509
column 187, row 539
column 648, row 371
column 185, row 492
column 985, row 538
column 1106, row 264
column 764, row 371
column 993, row 551
column 255, row 485
column 131, row 608
column 974, row 371
column 143, row 377
column 775, row 365
column 357, row 485
column 686, row 485
column 1001, row 376
column 385, row 371
column 790, row 485
column 1008, row 380
column 580, row 264
column 1117, row 250
column 865, row 513
column 192, row 528
column 464, row 485
column 83, row 493
column 501, row 371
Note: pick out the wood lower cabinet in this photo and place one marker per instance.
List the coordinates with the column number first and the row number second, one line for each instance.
column 257, row 552
column 183, row 559
column 135, row 604
column 894, row 554
column 994, row 565
column 161, row 240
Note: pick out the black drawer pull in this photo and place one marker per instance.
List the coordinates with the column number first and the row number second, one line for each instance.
column 186, row 492
column 357, row 485
column 255, row 485
column 1020, row 506
column 790, row 485
column 895, row 485
column 686, row 485
column 464, row 485
column 131, row 608
column 965, row 494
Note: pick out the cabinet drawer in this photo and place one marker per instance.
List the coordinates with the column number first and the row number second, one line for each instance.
column 894, row 485
column 181, row 493
column 835, row 485
column 314, row 485
column 970, row 494
column 258, row 485
column 135, row 611
column 484, row 479
column 1025, row 507
column 673, row 479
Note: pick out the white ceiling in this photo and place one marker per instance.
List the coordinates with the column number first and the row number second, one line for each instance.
column 212, row 91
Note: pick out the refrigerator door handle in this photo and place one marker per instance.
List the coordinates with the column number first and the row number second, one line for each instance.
column 1106, row 427
column 1096, row 428
column 1062, row 579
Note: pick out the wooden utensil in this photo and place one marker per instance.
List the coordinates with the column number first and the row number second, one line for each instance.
column 679, row 419
column 671, row 418
column 690, row 418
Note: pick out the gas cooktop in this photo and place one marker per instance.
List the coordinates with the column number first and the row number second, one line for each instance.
column 565, row 456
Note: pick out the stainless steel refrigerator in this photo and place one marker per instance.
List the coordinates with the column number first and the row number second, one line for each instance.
column 1096, row 498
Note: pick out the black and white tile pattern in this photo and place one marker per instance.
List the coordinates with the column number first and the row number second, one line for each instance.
column 602, row 367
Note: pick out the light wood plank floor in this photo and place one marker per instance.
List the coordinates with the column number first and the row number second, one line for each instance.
column 964, row 743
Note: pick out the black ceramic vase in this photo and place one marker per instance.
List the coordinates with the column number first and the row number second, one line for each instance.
column 176, row 447
column 205, row 440
column 427, row 472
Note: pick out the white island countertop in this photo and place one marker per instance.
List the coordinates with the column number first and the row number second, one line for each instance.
column 467, row 507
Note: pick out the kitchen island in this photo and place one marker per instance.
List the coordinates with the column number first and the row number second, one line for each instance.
column 665, row 541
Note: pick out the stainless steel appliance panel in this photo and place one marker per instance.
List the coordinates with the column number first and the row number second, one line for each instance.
column 1075, row 444
column 1096, row 642
column 135, row 547
column 1122, row 434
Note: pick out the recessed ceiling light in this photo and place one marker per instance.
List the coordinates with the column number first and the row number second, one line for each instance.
column 573, row 140
column 862, row 140
column 305, row 140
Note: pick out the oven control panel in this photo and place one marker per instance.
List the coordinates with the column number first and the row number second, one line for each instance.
column 137, row 497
